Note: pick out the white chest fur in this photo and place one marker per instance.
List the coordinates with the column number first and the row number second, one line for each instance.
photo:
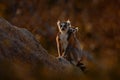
column 64, row 42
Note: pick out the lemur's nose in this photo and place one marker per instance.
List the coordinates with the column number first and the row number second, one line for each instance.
column 63, row 29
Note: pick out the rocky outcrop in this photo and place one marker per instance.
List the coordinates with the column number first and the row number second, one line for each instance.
column 19, row 44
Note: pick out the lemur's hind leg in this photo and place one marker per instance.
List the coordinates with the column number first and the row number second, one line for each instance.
column 69, row 58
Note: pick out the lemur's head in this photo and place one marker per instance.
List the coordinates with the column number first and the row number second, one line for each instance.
column 64, row 26
column 73, row 29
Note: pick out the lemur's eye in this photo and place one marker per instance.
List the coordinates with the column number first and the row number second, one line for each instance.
column 60, row 25
column 63, row 25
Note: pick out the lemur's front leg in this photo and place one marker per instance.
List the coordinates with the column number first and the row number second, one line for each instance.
column 58, row 46
column 63, row 54
column 66, row 51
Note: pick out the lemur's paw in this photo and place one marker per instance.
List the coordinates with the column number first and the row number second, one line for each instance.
column 82, row 67
column 60, row 58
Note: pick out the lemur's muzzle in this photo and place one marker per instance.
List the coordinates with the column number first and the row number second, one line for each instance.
column 63, row 29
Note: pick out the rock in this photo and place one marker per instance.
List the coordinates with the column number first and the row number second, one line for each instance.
column 19, row 44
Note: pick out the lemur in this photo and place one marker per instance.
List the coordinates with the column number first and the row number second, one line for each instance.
column 68, row 45
column 62, row 37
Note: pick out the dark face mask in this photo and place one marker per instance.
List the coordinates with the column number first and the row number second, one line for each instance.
column 63, row 26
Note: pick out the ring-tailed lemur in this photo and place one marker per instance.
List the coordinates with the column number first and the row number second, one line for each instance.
column 68, row 45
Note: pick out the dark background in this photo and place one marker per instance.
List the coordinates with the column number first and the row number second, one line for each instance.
column 98, row 22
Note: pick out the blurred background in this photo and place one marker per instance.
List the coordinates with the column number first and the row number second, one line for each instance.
column 98, row 22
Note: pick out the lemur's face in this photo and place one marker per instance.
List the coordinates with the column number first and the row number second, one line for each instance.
column 75, row 29
column 63, row 26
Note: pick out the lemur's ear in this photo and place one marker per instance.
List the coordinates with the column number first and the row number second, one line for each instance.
column 76, row 28
column 58, row 22
column 68, row 21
